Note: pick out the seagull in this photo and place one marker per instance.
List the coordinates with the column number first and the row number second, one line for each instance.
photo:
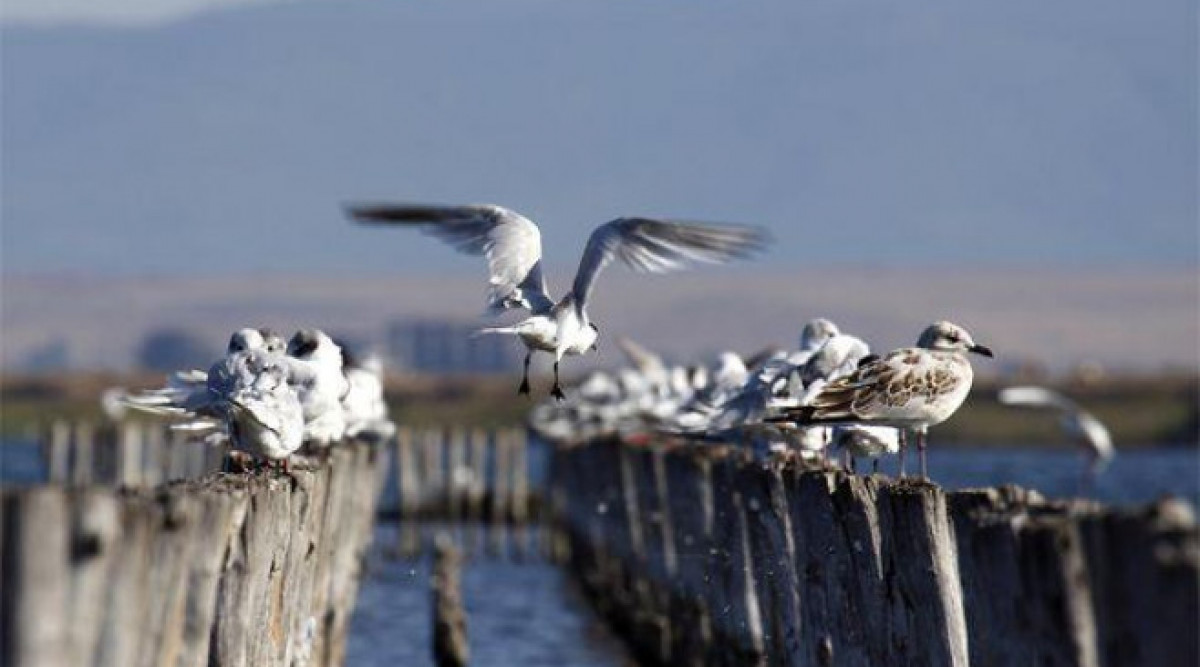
column 265, row 418
column 315, row 372
column 197, row 393
column 869, row 441
column 1080, row 425
column 909, row 388
column 365, row 409
column 513, row 247
column 837, row 357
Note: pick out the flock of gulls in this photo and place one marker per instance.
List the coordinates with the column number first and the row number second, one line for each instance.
column 268, row 398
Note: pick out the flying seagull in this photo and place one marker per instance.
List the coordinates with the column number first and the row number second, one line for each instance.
column 1080, row 425
column 512, row 245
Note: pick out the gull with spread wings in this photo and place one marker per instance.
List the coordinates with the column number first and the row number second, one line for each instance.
column 512, row 245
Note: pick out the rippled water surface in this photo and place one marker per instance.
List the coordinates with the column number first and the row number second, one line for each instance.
column 518, row 613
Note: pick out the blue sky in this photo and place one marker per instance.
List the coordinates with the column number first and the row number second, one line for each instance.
column 153, row 138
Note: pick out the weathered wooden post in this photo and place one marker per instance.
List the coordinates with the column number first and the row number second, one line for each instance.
column 56, row 451
column 408, row 493
column 519, row 443
column 501, row 490
column 129, row 453
column 477, row 489
column 84, row 445
column 450, row 646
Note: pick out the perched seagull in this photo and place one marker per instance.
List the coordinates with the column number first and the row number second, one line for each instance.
column 814, row 334
column 513, row 248
column 866, row 441
column 1081, row 426
column 365, row 409
column 265, row 418
column 198, row 393
column 909, row 388
column 315, row 372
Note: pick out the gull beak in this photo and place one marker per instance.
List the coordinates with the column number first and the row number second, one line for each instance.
column 595, row 347
column 982, row 350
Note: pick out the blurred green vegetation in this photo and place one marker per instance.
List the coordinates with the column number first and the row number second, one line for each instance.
column 1139, row 410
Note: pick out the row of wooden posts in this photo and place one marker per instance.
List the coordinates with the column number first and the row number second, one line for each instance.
column 471, row 484
column 702, row 556
column 477, row 478
column 247, row 570
column 134, row 454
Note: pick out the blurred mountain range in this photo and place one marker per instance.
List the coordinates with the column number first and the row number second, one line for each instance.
column 925, row 134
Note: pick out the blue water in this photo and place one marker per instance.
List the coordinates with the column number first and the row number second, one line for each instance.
column 518, row 613
column 1134, row 476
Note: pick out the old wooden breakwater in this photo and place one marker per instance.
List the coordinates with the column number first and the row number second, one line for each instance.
column 702, row 556
column 245, row 569
column 476, row 486
column 131, row 454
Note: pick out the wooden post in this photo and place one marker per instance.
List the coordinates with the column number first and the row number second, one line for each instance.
column 501, row 464
column 57, row 452
column 477, row 489
column 36, row 592
column 408, row 493
column 456, row 480
column 153, row 456
column 84, row 444
column 825, row 568
column 519, row 443
column 257, row 569
column 129, row 454
column 450, row 646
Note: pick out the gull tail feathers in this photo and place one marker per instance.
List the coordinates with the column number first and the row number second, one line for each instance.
column 511, row 331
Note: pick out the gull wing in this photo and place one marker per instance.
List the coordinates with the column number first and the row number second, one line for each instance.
column 647, row 362
column 659, row 246
column 1037, row 397
column 511, row 243
column 884, row 386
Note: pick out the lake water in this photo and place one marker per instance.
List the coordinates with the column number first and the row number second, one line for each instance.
column 518, row 613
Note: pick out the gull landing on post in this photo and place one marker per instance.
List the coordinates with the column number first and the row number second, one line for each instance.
column 512, row 245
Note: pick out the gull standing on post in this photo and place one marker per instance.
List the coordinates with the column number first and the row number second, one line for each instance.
column 909, row 388
column 513, row 247
column 315, row 372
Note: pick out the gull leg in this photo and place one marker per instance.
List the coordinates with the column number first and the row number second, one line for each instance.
column 557, row 391
column 523, row 390
column 875, row 466
column 922, row 434
column 903, row 450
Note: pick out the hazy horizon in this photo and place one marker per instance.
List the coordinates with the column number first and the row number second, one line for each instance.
column 1140, row 320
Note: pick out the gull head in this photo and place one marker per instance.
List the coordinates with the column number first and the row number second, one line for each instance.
column 243, row 340
column 314, row 345
column 816, row 332
column 272, row 341
column 950, row 337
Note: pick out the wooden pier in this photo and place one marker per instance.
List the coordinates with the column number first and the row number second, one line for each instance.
column 248, row 569
column 701, row 556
